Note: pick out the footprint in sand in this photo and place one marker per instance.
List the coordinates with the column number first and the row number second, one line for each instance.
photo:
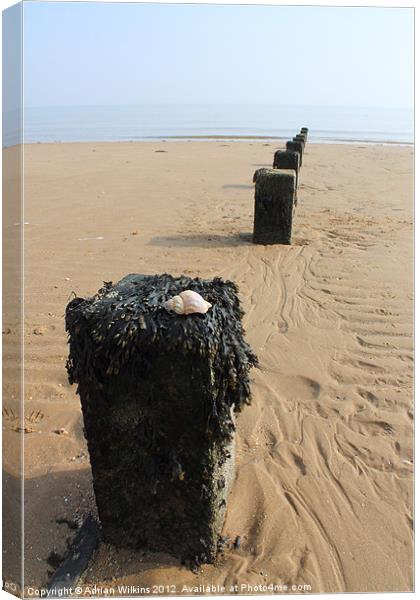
column 312, row 385
column 369, row 396
column 298, row 386
column 377, row 427
column 30, row 420
column 299, row 463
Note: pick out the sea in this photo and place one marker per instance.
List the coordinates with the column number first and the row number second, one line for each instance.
column 210, row 122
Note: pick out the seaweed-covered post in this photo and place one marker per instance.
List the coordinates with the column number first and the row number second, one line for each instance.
column 286, row 159
column 300, row 138
column 160, row 375
column 274, row 205
column 296, row 146
column 304, row 131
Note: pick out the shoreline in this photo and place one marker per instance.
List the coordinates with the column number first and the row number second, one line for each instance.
column 212, row 139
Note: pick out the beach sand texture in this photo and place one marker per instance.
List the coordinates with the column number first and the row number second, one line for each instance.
column 323, row 493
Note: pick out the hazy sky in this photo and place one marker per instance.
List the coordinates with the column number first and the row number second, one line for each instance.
column 89, row 54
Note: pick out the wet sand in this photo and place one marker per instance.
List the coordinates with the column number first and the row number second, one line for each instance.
column 323, row 493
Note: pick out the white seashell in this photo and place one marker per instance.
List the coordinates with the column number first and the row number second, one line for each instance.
column 194, row 303
column 176, row 304
column 187, row 303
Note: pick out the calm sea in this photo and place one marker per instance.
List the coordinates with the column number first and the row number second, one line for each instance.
column 155, row 122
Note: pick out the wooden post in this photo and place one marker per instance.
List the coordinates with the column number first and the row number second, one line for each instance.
column 274, row 205
column 296, row 146
column 158, row 390
column 300, row 137
column 286, row 159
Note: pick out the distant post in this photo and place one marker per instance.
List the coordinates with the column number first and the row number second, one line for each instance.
column 296, row 146
column 286, row 159
column 274, row 205
column 300, row 137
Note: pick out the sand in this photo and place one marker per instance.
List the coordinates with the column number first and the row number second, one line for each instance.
column 323, row 494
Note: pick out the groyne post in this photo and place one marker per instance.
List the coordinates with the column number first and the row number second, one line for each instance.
column 296, row 146
column 274, row 205
column 158, row 392
column 300, row 138
column 304, row 132
column 286, row 159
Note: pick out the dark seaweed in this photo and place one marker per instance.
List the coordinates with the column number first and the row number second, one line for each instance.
column 120, row 321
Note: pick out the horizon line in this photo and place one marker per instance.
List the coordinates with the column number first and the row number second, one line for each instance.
column 287, row 105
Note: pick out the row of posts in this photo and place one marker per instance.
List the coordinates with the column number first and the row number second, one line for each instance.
column 276, row 193
column 159, row 391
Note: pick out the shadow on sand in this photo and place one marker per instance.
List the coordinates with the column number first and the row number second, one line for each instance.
column 237, row 186
column 204, row 240
column 53, row 505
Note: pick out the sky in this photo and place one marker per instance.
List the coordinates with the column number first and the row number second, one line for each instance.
column 78, row 54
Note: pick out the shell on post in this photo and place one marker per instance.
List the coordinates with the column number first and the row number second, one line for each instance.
column 187, row 302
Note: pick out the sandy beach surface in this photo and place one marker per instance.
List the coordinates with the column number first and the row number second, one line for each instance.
column 323, row 493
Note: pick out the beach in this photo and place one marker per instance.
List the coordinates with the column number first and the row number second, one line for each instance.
column 323, row 493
